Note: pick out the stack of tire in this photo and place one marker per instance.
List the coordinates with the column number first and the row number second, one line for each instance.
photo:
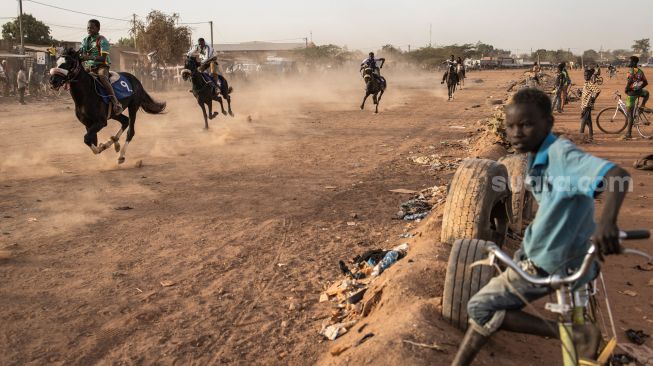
column 486, row 198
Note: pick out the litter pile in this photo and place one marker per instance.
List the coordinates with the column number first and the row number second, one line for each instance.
column 437, row 162
column 347, row 294
column 547, row 82
column 422, row 203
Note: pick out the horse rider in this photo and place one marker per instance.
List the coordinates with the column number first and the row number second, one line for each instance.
column 371, row 62
column 207, row 58
column 95, row 54
column 451, row 65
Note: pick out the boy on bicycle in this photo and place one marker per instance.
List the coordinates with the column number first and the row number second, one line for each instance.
column 564, row 180
column 635, row 89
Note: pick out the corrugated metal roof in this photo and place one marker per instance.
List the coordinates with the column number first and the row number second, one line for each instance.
column 257, row 46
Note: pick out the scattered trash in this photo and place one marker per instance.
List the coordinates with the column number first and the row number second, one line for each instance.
column 404, row 191
column 365, row 338
column 406, row 235
column 330, row 187
column 281, row 264
column 351, row 223
column 629, row 293
column 476, row 106
column 167, row 283
column 494, row 101
column 647, row 267
column 456, row 127
column 645, row 163
column 429, row 346
column 334, row 331
column 436, row 162
column 642, row 353
column 32, row 219
column 637, row 336
column 389, row 259
column 622, row 359
column 123, row 208
column 421, row 204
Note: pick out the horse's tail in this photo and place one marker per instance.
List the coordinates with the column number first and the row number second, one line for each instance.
column 148, row 104
column 230, row 90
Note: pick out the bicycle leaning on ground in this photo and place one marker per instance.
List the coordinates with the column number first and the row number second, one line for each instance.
column 576, row 305
column 614, row 120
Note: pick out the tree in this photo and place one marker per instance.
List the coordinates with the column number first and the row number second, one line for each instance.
column 590, row 57
column 328, row 53
column 34, row 31
column 160, row 33
column 126, row 42
column 642, row 46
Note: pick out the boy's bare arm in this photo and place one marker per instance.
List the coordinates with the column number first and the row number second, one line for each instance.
column 617, row 182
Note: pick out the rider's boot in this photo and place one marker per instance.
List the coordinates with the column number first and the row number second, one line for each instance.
column 469, row 347
column 117, row 107
column 521, row 322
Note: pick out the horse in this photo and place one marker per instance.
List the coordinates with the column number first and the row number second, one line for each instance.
column 90, row 109
column 374, row 87
column 452, row 80
column 460, row 74
column 204, row 90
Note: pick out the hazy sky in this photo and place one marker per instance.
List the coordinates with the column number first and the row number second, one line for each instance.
column 366, row 25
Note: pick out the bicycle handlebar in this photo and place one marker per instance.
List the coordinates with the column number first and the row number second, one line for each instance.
column 556, row 281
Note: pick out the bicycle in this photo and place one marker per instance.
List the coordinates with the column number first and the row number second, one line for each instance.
column 613, row 123
column 575, row 305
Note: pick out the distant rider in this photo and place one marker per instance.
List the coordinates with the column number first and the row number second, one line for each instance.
column 95, row 54
column 461, row 65
column 451, row 65
column 207, row 58
column 371, row 62
column 537, row 70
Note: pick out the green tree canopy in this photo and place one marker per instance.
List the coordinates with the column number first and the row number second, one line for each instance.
column 642, row 46
column 161, row 33
column 126, row 42
column 34, row 31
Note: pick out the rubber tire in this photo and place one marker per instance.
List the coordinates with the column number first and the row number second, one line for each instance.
column 473, row 203
column 462, row 282
column 521, row 199
column 645, row 132
column 611, row 110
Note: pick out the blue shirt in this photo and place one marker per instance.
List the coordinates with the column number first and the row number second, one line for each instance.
column 564, row 181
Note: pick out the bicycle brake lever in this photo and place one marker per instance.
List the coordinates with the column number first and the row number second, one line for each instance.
column 489, row 261
column 637, row 252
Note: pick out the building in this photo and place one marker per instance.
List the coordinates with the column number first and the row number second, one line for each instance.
column 256, row 51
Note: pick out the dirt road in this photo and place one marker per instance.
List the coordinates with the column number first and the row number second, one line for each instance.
column 244, row 222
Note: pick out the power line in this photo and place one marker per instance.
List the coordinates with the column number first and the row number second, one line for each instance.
column 84, row 28
column 75, row 11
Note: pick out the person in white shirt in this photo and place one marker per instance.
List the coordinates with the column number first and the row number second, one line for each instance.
column 207, row 59
column 21, row 79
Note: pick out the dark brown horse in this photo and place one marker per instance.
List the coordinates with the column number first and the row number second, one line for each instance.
column 374, row 86
column 90, row 108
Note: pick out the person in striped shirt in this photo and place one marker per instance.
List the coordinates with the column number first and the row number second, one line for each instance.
column 591, row 91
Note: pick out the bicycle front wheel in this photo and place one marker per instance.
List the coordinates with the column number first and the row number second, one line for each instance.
column 611, row 120
column 644, row 126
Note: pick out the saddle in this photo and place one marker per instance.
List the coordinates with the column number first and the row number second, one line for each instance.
column 121, row 87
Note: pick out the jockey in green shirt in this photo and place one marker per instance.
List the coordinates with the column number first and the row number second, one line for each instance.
column 95, row 54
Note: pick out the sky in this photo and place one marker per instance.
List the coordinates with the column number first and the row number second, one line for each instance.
column 519, row 26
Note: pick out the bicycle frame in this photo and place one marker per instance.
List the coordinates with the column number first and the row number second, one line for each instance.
column 572, row 305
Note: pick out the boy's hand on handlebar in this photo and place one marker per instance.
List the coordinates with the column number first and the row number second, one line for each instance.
column 606, row 239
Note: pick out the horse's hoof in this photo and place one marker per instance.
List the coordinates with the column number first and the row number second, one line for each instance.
column 121, row 160
column 231, row 114
column 116, row 146
column 224, row 112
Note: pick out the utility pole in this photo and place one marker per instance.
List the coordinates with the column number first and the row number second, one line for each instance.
column 211, row 24
column 430, row 33
column 306, row 42
column 20, row 26
column 311, row 36
column 408, row 48
column 134, row 29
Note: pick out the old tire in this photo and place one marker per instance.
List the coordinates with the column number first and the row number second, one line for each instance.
column 475, row 207
column 522, row 200
column 461, row 281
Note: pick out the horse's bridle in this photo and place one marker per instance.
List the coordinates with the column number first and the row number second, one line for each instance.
column 67, row 75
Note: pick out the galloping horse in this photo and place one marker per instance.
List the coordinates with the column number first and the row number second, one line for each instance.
column 203, row 90
column 452, row 80
column 460, row 73
column 90, row 107
column 374, row 87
